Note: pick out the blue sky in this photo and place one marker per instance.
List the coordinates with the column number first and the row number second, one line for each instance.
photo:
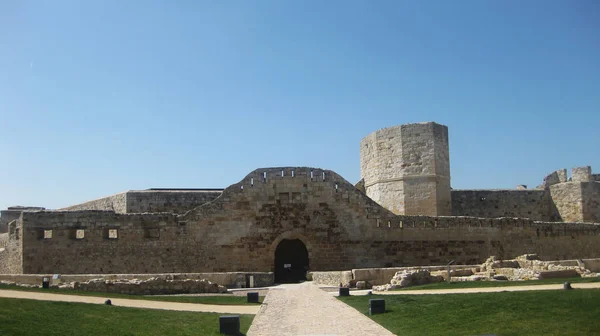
column 98, row 97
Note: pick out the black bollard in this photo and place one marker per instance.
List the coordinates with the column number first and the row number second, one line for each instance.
column 46, row 283
column 344, row 291
column 108, row 302
column 567, row 285
column 376, row 306
column 252, row 297
column 229, row 324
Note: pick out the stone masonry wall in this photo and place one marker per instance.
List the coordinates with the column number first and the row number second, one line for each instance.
column 10, row 253
column 116, row 203
column 141, row 201
column 13, row 213
column 239, row 232
column 535, row 204
column 568, row 199
column 590, row 192
column 581, row 174
column 175, row 201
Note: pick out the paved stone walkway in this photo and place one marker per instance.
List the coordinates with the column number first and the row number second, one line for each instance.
column 304, row 309
column 194, row 307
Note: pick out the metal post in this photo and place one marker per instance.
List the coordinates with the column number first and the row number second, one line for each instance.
column 448, row 268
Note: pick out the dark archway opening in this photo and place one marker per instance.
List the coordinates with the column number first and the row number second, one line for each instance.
column 291, row 261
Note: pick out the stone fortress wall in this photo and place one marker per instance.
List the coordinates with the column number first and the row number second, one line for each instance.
column 13, row 213
column 557, row 199
column 406, row 215
column 341, row 227
column 151, row 200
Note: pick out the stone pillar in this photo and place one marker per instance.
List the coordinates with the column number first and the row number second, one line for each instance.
column 406, row 169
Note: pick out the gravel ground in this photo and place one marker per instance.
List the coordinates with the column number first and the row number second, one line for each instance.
column 304, row 309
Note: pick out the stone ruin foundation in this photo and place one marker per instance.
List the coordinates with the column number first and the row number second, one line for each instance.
column 524, row 267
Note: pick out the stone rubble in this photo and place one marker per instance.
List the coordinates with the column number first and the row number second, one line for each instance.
column 524, row 267
column 408, row 278
column 151, row 286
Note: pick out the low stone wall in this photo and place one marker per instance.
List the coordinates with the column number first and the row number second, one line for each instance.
column 590, row 264
column 333, row 278
column 373, row 276
column 152, row 286
column 228, row 279
column 382, row 276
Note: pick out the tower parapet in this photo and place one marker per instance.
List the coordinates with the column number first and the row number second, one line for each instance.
column 406, row 168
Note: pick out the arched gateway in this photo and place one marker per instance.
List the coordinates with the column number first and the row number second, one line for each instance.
column 291, row 261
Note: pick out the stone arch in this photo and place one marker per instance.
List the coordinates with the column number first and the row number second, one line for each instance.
column 292, row 235
column 291, row 255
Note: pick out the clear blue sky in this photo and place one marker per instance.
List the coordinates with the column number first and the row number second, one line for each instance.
column 98, row 97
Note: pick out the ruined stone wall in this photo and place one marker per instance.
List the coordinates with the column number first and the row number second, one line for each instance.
column 239, row 232
column 11, row 258
column 116, row 203
column 535, row 204
column 590, row 192
column 176, row 201
column 13, row 213
column 568, row 199
column 406, row 168
column 6, row 217
column 581, row 174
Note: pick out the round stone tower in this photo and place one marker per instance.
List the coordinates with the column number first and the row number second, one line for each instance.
column 406, row 169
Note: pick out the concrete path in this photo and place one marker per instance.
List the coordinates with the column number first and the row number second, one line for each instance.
column 304, row 309
column 193, row 307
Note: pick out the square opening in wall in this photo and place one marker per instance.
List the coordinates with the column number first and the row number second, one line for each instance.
column 76, row 234
column 153, row 233
column 47, row 234
column 111, row 233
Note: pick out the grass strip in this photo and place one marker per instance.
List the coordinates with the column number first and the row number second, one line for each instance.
column 560, row 312
column 30, row 317
column 217, row 299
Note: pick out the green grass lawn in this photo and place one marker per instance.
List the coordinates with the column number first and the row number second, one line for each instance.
column 574, row 312
column 31, row 317
column 217, row 299
column 479, row 284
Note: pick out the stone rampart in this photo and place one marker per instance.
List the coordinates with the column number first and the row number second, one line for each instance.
column 535, row 204
column 116, row 203
column 341, row 228
column 175, row 201
column 13, row 213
